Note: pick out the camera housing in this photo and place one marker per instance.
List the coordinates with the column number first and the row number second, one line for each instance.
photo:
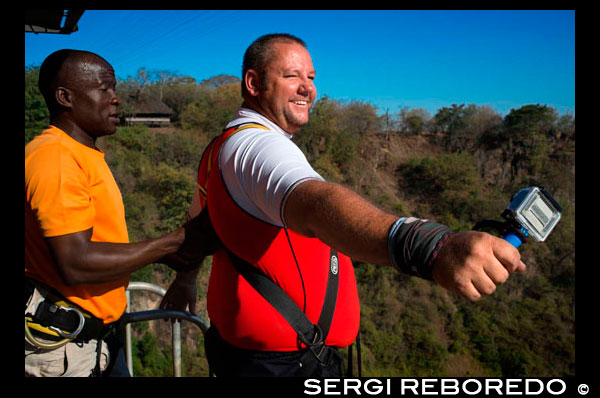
column 535, row 210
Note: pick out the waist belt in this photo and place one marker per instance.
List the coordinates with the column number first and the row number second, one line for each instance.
column 56, row 318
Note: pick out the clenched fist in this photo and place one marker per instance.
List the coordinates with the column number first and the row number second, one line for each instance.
column 473, row 263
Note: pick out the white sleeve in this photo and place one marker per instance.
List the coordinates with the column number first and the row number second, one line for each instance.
column 260, row 169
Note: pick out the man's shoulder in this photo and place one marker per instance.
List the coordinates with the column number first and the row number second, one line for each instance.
column 51, row 140
column 62, row 152
column 257, row 139
column 250, row 116
column 44, row 145
column 234, row 128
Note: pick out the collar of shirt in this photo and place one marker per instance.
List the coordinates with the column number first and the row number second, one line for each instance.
column 245, row 115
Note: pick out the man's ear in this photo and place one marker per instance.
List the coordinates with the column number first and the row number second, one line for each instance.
column 63, row 97
column 252, row 82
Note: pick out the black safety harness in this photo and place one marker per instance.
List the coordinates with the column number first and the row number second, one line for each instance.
column 58, row 320
column 313, row 336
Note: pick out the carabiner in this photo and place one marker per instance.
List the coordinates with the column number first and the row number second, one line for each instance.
column 75, row 333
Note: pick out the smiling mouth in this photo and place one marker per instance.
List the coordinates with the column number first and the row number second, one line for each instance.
column 300, row 102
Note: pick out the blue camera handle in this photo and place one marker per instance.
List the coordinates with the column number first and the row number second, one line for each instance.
column 513, row 239
column 510, row 232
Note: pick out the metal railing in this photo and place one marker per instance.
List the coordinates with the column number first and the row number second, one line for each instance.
column 150, row 315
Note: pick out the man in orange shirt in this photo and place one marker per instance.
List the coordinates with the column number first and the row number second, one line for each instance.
column 78, row 258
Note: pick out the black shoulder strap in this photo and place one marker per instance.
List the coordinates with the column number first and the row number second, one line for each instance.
column 306, row 330
column 330, row 294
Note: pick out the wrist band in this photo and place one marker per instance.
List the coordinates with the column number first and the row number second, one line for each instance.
column 391, row 236
column 414, row 244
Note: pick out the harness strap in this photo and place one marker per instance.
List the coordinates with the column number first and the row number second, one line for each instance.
column 349, row 370
column 328, row 309
column 212, row 151
column 69, row 321
column 56, row 318
column 313, row 336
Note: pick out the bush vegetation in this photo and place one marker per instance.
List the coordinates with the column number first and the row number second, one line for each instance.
column 460, row 165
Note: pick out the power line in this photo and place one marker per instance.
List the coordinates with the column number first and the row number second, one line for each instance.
column 158, row 40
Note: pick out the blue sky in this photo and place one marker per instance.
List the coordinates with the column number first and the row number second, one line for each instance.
column 391, row 59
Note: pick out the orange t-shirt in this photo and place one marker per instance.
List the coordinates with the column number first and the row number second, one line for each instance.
column 69, row 188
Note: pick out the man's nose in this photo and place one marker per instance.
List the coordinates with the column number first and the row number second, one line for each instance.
column 307, row 87
column 116, row 100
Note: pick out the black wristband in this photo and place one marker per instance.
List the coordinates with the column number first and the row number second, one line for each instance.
column 414, row 244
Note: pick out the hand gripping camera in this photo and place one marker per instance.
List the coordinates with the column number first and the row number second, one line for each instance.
column 532, row 212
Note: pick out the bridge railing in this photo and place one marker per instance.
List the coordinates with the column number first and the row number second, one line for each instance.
column 149, row 315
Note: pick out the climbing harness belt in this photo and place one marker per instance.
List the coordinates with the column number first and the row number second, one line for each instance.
column 58, row 321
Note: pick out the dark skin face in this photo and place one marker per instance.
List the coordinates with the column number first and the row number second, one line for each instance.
column 86, row 93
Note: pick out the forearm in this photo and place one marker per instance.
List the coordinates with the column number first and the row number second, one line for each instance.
column 187, row 277
column 341, row 219
column 96, row 262
column 470, row 263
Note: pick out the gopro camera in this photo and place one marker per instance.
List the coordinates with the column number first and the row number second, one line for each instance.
column 533, row 212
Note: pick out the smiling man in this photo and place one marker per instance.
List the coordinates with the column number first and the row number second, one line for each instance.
column 77, row 252
column 288, row 80
column 277, row 217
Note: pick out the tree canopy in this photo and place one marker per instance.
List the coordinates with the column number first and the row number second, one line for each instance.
column 462, row 164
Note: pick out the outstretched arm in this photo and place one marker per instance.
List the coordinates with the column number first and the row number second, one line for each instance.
column 340, row 218
column 470, row 263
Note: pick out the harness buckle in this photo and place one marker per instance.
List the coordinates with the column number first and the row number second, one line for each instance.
column 317, row 347
column 74, row 334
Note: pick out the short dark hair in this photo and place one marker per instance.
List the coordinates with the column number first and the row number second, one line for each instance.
column 48, row 73
column 50, row 69
column 260, row 53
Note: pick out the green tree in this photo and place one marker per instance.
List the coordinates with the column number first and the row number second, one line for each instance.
column 172, row 189
column 521, row 123
column 150, row 361
column 315, row 137
column 527, row 131
column 413, row 121
column 454, row 122
column 358, row 118
column 37, row 116
column 213, row 109
column 451, row 119
column 179, row 93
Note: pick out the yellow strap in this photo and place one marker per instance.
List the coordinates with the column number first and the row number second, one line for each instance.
column 40, row 328
column 247, row 126
column 40, row 344
column 202, row 190
column 242, row 127
column 47, row 330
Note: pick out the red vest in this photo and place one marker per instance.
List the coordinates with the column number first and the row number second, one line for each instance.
column 241, row 315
